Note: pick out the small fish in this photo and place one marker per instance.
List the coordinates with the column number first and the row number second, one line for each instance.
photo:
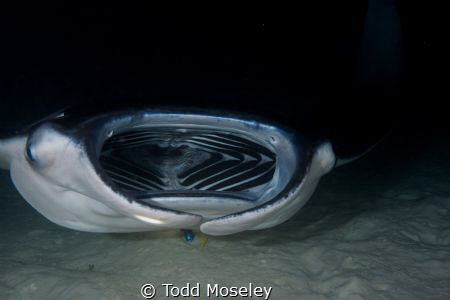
column 188, row 235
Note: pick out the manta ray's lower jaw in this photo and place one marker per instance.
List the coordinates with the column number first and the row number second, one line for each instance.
column 152, row 170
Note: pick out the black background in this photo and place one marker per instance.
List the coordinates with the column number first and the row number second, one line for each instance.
column 293, row 63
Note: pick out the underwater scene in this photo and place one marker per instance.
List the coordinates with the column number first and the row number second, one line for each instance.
column 183, row 152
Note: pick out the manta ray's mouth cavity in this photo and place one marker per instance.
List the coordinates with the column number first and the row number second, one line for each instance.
column 202, row 164
column 171, row 160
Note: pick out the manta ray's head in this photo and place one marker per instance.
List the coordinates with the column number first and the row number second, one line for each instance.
column 152, row 169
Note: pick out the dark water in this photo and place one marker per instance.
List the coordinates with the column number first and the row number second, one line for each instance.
column 331, row 68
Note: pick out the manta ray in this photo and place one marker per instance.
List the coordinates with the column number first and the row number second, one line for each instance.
column 152, row 169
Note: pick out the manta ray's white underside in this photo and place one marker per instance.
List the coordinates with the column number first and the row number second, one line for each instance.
column 221, row 175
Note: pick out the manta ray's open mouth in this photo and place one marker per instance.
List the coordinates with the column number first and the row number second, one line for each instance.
column 196, row 166
column 178, row 160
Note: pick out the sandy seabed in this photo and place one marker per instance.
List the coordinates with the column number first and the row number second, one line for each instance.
column 378, row 228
